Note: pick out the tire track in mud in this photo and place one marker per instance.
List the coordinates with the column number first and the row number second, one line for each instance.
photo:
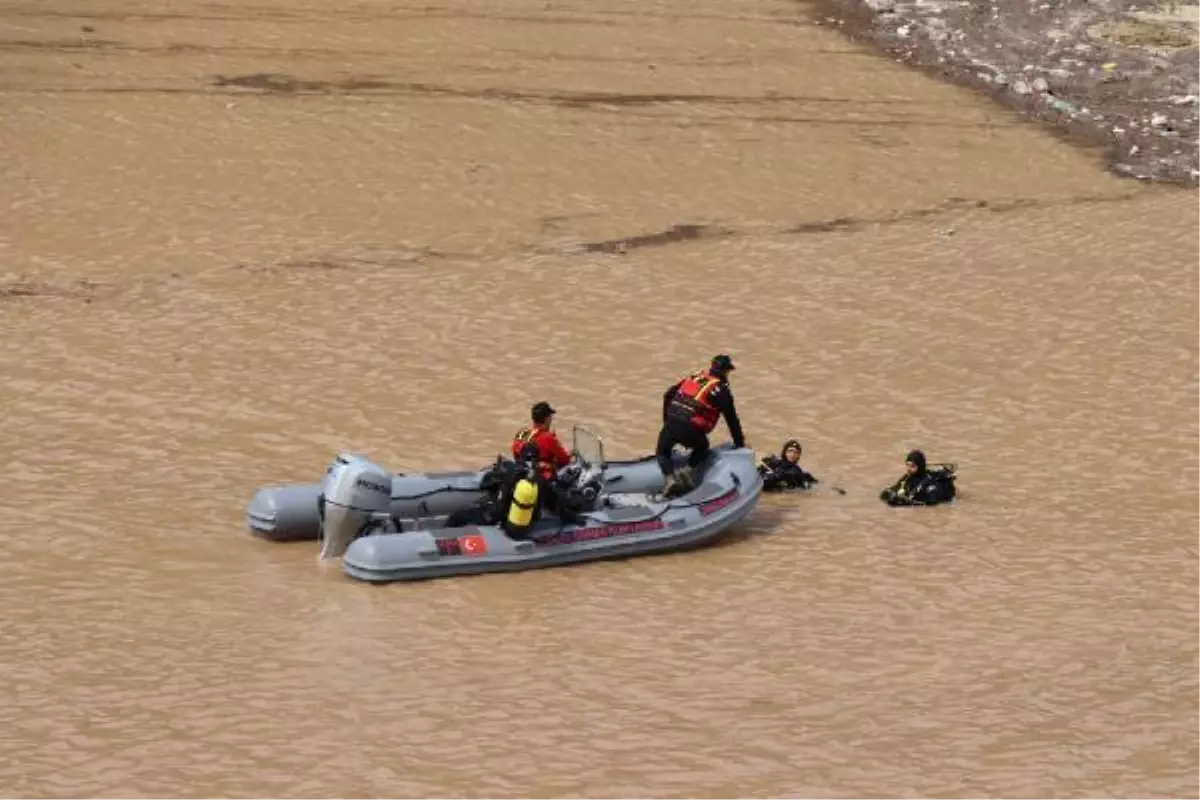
column 693, row 232
column 367, row 88
column 218, row 12
column 649, row 106
column 24, row 287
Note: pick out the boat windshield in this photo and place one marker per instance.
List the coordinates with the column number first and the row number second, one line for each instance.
column 588, row 447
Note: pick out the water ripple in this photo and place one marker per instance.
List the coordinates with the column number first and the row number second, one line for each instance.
column 204, row 298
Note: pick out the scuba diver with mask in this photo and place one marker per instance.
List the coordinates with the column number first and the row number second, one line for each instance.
column 921, row 485
column 783, row 472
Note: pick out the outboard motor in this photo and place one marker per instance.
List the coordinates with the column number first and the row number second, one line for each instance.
column 355, row 491
column 579, row 488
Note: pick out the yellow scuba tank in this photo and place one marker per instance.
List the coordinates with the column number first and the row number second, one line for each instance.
column 524, row 501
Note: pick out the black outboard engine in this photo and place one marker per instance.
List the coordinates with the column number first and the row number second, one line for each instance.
column 356, row 492
column 579, row 489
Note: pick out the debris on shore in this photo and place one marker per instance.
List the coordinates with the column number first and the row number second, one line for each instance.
column 1119, row 73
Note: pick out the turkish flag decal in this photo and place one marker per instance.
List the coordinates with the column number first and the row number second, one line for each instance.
column 473, row 545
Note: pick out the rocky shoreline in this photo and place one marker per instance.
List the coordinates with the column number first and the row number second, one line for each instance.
column 1119, row 74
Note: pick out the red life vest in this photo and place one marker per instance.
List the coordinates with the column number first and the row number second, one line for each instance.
column 525, row 436
column 692, row 400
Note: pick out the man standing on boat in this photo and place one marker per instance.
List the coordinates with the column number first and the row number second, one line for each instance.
column 691, row 409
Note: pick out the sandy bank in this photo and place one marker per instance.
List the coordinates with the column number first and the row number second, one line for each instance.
column 1118, row 74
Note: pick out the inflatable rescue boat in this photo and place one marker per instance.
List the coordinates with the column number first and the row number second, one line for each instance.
column 387, row 527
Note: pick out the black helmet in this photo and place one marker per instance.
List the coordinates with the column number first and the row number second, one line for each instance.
column 542, row 411
column 916, row 458
column 722, row 364
column 788, row 445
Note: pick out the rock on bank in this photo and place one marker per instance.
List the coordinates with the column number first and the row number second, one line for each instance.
column 1121, row 74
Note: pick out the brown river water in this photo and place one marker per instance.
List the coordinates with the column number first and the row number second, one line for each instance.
column 237, row 238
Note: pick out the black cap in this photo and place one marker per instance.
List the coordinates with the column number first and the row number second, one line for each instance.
column 916, row 458
column 723, row 363
column 542, row 411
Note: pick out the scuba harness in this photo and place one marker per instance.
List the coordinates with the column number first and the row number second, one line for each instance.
column 933, row 487
column 523, row 498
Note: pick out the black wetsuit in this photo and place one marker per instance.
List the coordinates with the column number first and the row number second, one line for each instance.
column 927, row 487
column 779, row 474
column 678, row 429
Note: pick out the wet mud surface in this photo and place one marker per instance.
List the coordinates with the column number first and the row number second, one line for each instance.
column 238, row 239
column 1119, row 75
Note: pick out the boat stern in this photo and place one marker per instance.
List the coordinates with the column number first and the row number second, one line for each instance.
column 285, row 513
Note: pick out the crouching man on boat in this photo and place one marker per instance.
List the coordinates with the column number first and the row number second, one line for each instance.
column 783, row 472
column 691, row 409
column 921, row 485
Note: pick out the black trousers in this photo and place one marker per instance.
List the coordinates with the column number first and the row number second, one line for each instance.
column 677, row 432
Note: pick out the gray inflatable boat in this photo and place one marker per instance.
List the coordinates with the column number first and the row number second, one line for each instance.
column 378, row 547
column 292, row 512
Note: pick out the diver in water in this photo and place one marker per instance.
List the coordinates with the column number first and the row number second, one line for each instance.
column 921, row 485
column 783, row 472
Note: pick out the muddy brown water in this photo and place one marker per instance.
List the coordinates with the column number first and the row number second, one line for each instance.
column 238, row 238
